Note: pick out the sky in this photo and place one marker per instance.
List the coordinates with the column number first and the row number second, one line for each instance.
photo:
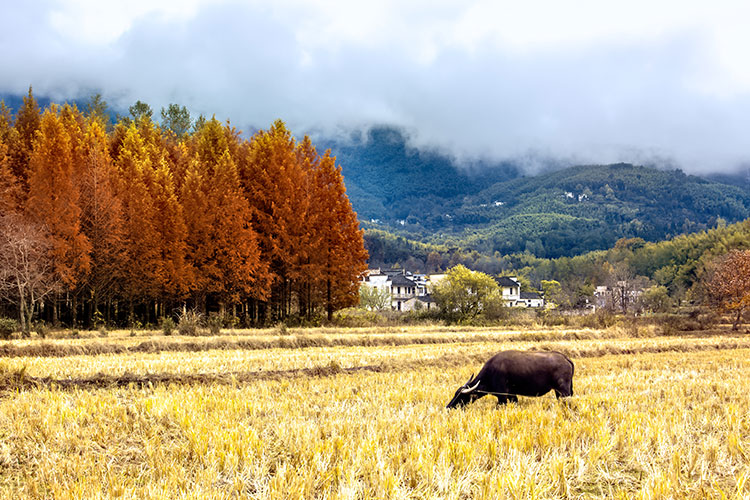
column 581, row 81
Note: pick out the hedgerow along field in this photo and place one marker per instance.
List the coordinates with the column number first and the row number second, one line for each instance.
column 360, row 413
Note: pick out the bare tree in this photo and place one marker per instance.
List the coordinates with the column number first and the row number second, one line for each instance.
column 624, row 288
column 26, row 271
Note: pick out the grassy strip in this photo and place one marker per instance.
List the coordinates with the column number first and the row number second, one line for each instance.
column 11, row 381
column 49, row 350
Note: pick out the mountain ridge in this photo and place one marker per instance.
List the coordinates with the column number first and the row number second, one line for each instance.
column 560, row 212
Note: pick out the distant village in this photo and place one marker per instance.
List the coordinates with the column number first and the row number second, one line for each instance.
column 413, row 291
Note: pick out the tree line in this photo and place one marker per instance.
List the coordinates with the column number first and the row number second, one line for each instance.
column 128, row 222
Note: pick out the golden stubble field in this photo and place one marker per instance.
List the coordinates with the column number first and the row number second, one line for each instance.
column 356, row 414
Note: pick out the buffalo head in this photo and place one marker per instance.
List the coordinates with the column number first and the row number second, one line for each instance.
column 465, row 394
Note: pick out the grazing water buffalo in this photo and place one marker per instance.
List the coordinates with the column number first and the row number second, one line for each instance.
column 509, row 374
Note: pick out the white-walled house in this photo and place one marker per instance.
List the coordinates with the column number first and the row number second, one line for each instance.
column 514, row 297
column 408, row 291
column 510, row 288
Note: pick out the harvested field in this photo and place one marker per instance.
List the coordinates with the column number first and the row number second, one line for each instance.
column 360, row 414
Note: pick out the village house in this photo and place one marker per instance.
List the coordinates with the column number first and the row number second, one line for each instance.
column 408, row 291
column 413, row 291
column 514, row 297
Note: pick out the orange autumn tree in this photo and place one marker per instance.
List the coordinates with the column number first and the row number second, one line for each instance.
column 727, row 285
column 276, row 184
column 101, row 218
column 54, row 198
column 145, row 218
column 11, row 193
column 26, row 124
column 174, row 276
column 135, row 176
column 340, row 252
column 309, row 232
column 222, row 246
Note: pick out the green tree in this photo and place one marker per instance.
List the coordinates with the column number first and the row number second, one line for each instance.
column 177, row 119
column 140, row 110
column 464, row 293
column 96, row 108
column 374, row 299
column 656, row 299
column 552, row 291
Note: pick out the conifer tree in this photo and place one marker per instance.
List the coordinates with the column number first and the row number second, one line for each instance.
column 222, row 245
column 54, row 197
column 176, row 275
column 101, row 217
column 26, row 124
column 135, row 177
column 11, row 194
column 339, row 241
column 275, row 185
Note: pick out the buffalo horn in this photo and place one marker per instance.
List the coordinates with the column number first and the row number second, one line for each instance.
column 470, row 389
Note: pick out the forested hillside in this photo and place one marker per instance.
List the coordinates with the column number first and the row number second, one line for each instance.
column 583, row 208
column 575, row 210
column 391, row 182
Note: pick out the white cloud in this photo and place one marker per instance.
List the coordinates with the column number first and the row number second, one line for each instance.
column 588, row 80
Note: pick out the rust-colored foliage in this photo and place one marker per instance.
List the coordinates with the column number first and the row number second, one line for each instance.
column 11, row 194
column 145, row 218
column 101, row 215
column 135, row 177
column 221, row 244
column 728, row 283
column 276, row 185
column 54, row 197
column 341, row 253
column 26, row 125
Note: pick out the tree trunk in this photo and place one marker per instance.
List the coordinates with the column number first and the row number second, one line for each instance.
column 737, row 320
column 55, row 312
column 329, row 300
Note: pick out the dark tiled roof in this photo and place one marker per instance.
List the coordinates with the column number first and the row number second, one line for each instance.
column 506, row 281
column 401, row 280
column 530, row 295
column 393, row 272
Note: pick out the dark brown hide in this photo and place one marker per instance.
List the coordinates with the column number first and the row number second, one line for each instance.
column 509, row 374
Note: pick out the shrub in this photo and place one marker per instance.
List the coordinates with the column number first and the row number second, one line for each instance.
column 7, row 327
column 214, row 323
column 98, row 319
column 42, row 329
column 189, row 322
column 352, row 317
column 600, row 319
column 549, row 318
column 167, row 325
